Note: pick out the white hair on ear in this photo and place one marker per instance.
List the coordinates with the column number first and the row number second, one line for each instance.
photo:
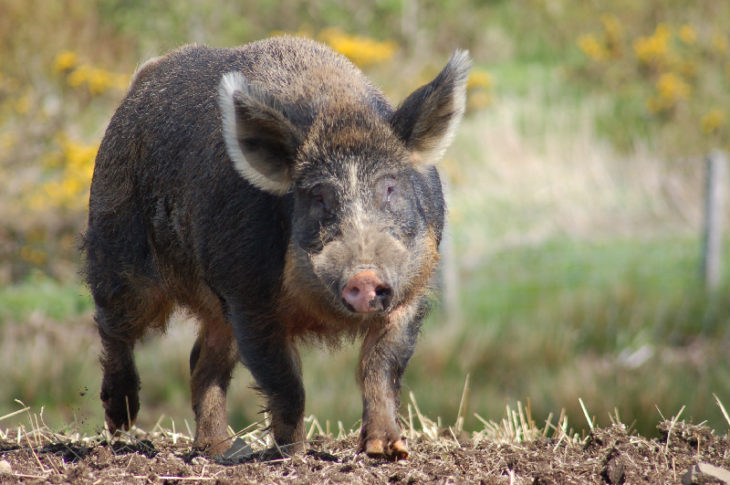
column 231, row 83
column 459, row 64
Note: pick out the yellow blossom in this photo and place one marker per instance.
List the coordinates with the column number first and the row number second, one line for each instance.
column 673, row 87
column 654, row 49
column 688, row 35
column 592, row 48
column 97, row 81
column 78, row 76
column 73, row 167
column 712, row 120
column 65, row 61
column 670, row 89
column 362, row 51
column 479, row 78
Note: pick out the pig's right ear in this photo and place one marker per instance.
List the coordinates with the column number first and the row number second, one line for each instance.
column 426, row 121
column 259, row 139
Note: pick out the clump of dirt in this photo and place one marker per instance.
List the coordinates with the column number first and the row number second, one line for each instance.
column 610, row 455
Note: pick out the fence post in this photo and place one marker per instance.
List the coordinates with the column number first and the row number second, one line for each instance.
column 715, row 187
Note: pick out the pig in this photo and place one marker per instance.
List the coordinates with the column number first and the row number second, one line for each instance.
column 273, row 191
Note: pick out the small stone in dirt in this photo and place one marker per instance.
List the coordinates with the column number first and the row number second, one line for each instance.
column 238, row 452
column 5, row 468
column 694, row 473
column 199, row 460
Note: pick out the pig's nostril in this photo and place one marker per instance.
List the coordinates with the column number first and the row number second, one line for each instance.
column 383, row 296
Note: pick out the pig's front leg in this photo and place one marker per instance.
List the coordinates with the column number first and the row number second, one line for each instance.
column 275, row 365
column 385, row 354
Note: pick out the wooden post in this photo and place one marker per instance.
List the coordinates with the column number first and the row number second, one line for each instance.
column 715, row 187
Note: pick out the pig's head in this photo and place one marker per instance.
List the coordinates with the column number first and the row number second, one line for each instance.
column 368, row 208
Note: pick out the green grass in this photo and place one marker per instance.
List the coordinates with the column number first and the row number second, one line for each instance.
column 600, row 287
column 561, row 320
column 43, row 295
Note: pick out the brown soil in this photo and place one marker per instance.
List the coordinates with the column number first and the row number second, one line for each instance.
column 605, row 456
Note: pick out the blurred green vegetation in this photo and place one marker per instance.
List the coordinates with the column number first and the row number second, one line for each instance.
column 575, row 199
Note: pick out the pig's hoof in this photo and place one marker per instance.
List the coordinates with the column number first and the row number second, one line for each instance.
column 120, row 408
column 220, row 445
column 399, row 450
column 396, row 450
column 116, row 427
column 375, row 447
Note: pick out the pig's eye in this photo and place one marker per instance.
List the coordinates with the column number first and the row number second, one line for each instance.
column 322, row 199
column 387, row 190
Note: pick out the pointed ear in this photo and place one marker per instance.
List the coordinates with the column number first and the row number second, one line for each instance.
column 259, row 139
column 426, row 121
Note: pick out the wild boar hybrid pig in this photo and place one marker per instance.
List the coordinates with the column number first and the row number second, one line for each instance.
column 275, row 193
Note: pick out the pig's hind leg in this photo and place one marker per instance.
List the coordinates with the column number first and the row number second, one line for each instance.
column 122, row 319
column 212, row 360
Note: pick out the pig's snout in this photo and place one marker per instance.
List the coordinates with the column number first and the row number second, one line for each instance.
column 365, row 292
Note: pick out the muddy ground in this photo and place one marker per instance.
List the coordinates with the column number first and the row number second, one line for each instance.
column 605, row 456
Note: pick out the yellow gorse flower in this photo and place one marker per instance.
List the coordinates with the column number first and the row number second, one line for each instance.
column 655, row 48
column 670, row 89
column 65, row 61
column 74, row 166
column 600, row 48
column 592, row 48
column 80, row 76
column 688, row 35
column 97, row 80
column 362, row 51
column 479, row 87
column 479, row 78
column 712, row 120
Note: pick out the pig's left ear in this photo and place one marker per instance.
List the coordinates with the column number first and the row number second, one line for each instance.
column 260, row 140
column 427, row 119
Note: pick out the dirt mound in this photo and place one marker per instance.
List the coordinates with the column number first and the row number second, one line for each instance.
column 605, row 456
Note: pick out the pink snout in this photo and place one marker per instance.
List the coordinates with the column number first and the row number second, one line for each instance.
column 366, row 293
